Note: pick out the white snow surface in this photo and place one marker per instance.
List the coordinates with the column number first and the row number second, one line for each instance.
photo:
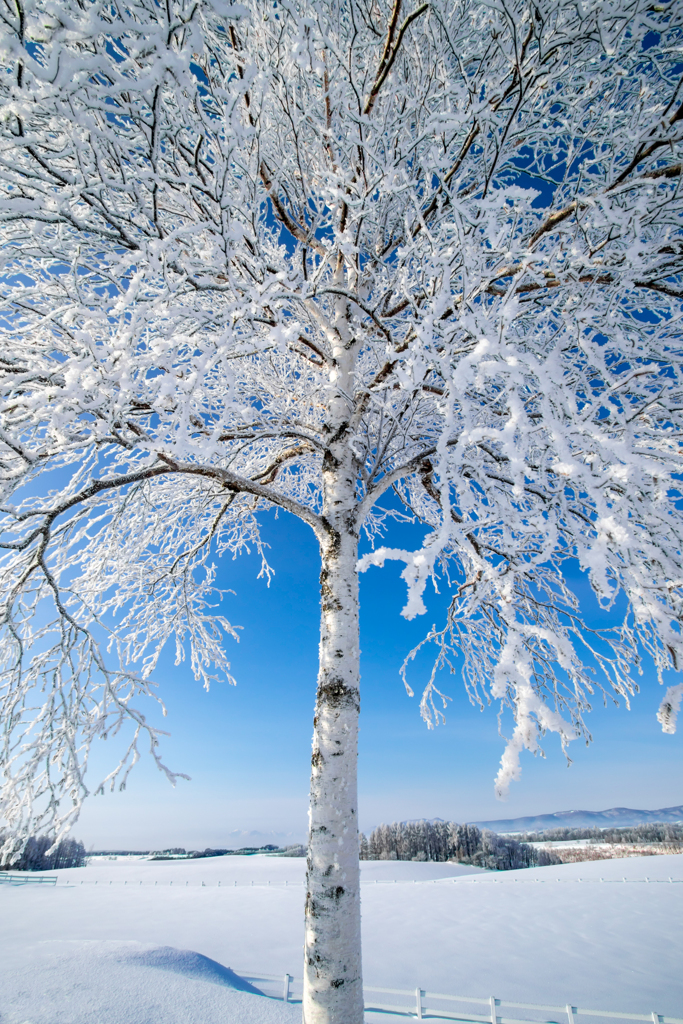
column 117, row 943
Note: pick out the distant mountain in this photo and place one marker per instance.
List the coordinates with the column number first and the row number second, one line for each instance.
column 615, row 816
column 239, row 838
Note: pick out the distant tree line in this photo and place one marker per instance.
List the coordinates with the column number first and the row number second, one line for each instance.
column 449, row 841
column 122, row 853
column 178, row 852
column 68, row 853
column 652, row 832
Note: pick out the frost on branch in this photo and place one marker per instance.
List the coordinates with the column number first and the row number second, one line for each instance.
column 669, row 708
column 310, row 261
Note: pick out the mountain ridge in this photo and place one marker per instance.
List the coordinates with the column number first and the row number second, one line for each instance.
column 614, row 816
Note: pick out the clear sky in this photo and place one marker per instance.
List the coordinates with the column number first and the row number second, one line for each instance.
column 247, row 747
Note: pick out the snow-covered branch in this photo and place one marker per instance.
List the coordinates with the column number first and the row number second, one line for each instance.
column 311, row 259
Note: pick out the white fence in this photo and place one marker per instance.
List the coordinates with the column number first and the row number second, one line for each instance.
column 26, row 879
column 419, row 1004
column 72, row 880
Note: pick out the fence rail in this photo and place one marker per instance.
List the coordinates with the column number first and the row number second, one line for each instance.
column 72, row 880
column 26, row 879
column 416, row 1003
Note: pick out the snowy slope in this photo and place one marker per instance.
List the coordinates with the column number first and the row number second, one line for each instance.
column 117, row 982
column 262, row 870
column 91, row 953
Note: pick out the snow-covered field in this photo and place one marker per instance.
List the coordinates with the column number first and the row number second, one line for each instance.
column 135, row 942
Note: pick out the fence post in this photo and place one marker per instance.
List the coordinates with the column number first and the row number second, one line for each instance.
column 285, row 992
column 571, row 1010
column 655, row 1018
column 494, row 1003
column 419, row 993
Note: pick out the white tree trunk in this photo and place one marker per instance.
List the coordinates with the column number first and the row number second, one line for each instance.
column 333, row 988
column 333, row 984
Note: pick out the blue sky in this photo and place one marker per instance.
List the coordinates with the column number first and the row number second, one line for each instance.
column 247, row 747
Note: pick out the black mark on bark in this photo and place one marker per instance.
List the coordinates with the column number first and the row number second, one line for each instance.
column 329, row 600
column 317, row 759
column 336, row 694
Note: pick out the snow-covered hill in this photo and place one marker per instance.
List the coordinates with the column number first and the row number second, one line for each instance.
column 155, row 942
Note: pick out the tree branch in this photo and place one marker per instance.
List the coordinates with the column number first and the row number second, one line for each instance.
column 387, row 62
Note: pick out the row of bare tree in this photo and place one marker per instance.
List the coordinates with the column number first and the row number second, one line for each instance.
column 449, row 841
column 579, row 854
column 652, row 832
column 37, row 855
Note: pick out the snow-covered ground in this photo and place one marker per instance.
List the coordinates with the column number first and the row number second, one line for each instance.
column 122, row 942
column 567, row 844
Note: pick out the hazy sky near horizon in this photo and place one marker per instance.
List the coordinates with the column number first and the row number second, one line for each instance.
column 247, row 747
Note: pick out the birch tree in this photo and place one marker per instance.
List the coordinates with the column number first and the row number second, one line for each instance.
column 349, row 259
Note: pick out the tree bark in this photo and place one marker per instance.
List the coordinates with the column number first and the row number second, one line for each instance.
column 333, row 983
column 333, row 987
